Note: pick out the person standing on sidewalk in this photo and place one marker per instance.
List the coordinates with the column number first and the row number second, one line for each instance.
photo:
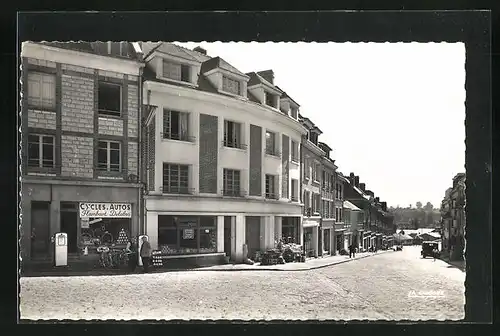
column 131, row 250
column 352, row 251
column 145, row 254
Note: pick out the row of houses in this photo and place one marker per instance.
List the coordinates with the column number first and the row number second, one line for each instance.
column 453, row 219
column 152, row 138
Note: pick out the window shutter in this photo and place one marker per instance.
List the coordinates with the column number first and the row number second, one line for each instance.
column 34, row 88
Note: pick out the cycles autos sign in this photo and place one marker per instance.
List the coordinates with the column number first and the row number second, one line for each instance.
column 105, row 210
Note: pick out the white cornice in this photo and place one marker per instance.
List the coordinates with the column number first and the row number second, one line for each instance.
column 178, row 59
column 266, row 88
column 313, row 148
column 80, row 58
column 227, row 73
column 230, row 102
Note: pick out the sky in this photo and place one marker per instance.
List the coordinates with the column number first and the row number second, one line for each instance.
column 392, row 112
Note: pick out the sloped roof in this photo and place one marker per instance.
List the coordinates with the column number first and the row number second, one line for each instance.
column 256, row 79
column 175, row 50
column 285, row 95
column 217, row 62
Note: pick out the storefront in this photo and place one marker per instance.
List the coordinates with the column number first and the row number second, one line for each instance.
column 328, row 228
column 339, row 240
column 180, row 235
column 311, row 235
column 90, row 213
column 290, row 229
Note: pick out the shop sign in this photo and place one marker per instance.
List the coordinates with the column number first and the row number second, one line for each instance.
column 105, row 210
column 188, row 234
column 85, row 223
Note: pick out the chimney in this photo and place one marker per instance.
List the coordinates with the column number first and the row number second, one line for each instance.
column 356, row 181
column 268, row 75
column 200, row 50
column 362, row 186
column 384, row 206
column 377, row 199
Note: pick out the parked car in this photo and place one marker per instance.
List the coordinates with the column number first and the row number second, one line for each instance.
column 397, row 247
column 430, row 249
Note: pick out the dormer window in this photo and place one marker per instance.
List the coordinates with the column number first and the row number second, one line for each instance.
column 112, row 48
column 176, row 71
column 231, row 85
column 271, row 99
column 294, row 112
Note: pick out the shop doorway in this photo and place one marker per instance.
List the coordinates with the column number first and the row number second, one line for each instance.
column 227, row 236
column 339, row 241
column 40, row 229
column 326, row 240
column 69, row 225
column 252, row 235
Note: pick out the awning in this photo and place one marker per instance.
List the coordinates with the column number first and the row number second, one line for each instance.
column 308, row 223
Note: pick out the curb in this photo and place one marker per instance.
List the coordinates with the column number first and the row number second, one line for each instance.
column 201, row 269
column 462, row 268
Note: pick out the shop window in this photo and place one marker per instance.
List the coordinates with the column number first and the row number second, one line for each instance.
column 109, row 99
column 106, row 231
column 230, row 85
column 231, row 182
column 42, row 90
column 108, row 156
column 41, row 151
column 176, row 125
column 232, row 134
column 175, row 179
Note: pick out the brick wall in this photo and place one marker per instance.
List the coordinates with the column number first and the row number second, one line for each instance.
column 77, row 156
column 42, row 119
column 133, row 152
column 132, row 110
column 111, row 126
column 151, row 155
column 44, row 63
column 285, row 161
column 209, row 146
column 77, row 105
column 255, row 171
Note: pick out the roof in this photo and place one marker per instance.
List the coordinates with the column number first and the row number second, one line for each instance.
column 349, row 205
column 218, row 62
column 256, row 79
column 286, row 96
column 175, row 50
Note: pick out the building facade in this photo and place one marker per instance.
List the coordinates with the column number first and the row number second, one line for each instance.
column 222, row 163
column 328, row 194
column 80, row 149
column 454, row 220
column 312, row 158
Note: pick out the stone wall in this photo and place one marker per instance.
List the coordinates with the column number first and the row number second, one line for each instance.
column 133, row 152
column 42, row 119
column 111, row 126
column 77, row 105
column 77, row 156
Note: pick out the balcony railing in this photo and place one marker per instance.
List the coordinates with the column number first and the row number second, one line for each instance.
column 178, row 137
column 175, row 190
column 273, row 196
column 307, row 212
column 233, row 193
column 294, row 198
column 273, row 152
column 234, row 144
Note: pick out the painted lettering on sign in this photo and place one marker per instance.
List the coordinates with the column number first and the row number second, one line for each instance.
column 106, row 210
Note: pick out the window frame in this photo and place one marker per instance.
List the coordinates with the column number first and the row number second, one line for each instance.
column 226, row 80
column 271, row 190
column 229, row 185
column 274, row 99
column 41, row 144
column 295, row 150
column 41, row 106
column 181, row 190
column 108, row 156
column 109, row 113
column 184, row 77
column 271, row 151
column 236, row 142
column 295, row 190
column 167, row 123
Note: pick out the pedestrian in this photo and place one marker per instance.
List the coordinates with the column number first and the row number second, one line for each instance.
column 145, row 254
column 131, row 250
column 351, row 251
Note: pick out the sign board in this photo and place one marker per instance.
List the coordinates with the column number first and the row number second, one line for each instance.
column 85, row 223
column 188, row 234
column 105, row 210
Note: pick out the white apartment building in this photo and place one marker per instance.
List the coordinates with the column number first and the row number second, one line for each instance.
column 222, row 156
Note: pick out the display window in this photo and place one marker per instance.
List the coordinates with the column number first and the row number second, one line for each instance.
column 187, row 234
column 111, row 232
column 290, row 229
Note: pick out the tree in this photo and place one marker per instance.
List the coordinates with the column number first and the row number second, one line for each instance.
column 428, row 207
column 419, row 205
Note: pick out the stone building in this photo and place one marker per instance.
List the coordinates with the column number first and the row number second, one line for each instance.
column 80, row 130
column 222, row 160
column 329, row 194
column 454, row 219
column 312, row 158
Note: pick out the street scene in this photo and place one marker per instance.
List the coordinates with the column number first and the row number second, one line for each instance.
column 166, row 180
column 386, row 286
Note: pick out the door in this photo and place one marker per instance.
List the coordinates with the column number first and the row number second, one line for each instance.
column 227, row 235
column 326, row 240
column 69, row 225
column 252, row 234
column 40, row 229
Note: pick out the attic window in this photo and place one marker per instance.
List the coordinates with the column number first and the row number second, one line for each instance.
column 230, row 85
column 294, row 113
column 270, row 99
column 176, row 71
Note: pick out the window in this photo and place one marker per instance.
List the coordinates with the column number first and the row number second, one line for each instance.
column 295, row 151
column 271, row 143
column 41, row 151
column 232, row 134
column 295, row 190
column 313, row 137
column 307, row 203
column 118, row 48
column 230, row 85
column 109, row 99
column 341, row 192
column 176, row 125
column 294, row 113
column 307, row 169
column 175, row 179
column 270, row 99
column 324, row 180
column 271, row 187
column 108, row 156
column 314, row 171
column 42, row 90
column 231, row 182
column 323, row 204
column 318, row 172
column 176, row 71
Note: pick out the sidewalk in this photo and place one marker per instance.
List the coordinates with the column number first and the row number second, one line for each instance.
column 295, row 266
column 458, row 264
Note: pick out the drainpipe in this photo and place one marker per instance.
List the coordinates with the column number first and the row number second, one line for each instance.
column 140, row 211
column 301, row 187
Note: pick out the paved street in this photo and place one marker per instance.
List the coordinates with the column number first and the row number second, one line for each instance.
column 390, row 286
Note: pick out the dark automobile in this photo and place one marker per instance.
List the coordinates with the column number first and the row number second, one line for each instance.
column 397, row 247
column 430, row 249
